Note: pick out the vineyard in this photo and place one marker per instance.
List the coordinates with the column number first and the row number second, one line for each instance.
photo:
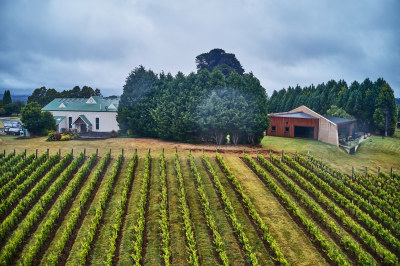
column 184, row 208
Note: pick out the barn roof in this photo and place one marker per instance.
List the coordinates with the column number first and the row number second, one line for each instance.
column 338, row 120
column 92, row 104
column 295, row 115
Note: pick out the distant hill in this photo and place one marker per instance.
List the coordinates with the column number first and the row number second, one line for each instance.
column 397, row 100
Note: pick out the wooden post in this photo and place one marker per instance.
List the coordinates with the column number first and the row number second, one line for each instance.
column 84, row 152
column 36, row 153
column 25, row 154
column 163, row 150
column 352, row 173
column 72, row 152
column 282, row 154
column 366, row 168
column 122, row 151
column 41, row 203
column 59, row 152
column 379, row 170
column 97, row 152
column 135, row 150
column 48, row 153
column 391, row 172
column 149, row 150
column 4, row 153
column 14, row 152
column 190, row 150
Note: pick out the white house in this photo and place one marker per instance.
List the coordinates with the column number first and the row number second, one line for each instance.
column 94, row 114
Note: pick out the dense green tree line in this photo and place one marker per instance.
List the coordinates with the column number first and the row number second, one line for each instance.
column 371, row 103
column 8, row 107
column 44, row 96
column 203, row 107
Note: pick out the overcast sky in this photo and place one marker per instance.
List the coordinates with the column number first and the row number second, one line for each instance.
column 60, row 44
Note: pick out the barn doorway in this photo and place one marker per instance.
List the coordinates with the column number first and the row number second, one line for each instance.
column 304, row 132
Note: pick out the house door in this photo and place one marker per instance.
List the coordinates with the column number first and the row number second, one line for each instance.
column 83, row 128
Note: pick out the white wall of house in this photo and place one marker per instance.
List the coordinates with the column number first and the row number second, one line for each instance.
column 108, row 120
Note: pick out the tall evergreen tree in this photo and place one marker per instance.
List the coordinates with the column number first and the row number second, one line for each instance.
column 7, row 98
column 385, row 111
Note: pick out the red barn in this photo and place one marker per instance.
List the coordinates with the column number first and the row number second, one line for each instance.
column 303, row 122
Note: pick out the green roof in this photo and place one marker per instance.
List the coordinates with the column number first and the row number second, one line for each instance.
column 92, row 104
column 84, row 120
column 59, row 119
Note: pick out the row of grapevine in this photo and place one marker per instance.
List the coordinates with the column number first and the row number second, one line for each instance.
column 187, row 223
column 348, row 244
column 373, row 226
column 164, row 216
column 23, row 205
column 277, row 256
column 141, row 221
column 6, row 160
column 21, row 188
column 119, row 213
column 395, row 184
column 73, row 219
column 331, row 251
column 219, row 244
column 4, row 168
column 7, row 176
column 359, row 201
column 366, row 188
column 63, row 199
column 364, row 192
column 229, row 210
column 23, row 169
column 86, row 244
column 22, row 232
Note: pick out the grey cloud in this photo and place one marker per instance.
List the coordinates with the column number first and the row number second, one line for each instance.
column 65, row 43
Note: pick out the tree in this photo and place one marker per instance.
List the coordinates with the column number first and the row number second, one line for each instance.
column 218, row 58
column 7, row 98
column 338, row 112
column 385, row 111
column 136, row 103
column 36, row 121
column 12, row 108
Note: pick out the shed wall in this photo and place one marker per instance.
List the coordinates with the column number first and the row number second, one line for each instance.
column 281, row 123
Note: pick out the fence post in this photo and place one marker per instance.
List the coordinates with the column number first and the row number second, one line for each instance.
column 379, row 170
column 48, row 154
column 122, row 151
column 36, row 153
column 84, row 152
column 352, row 172
column 163, row 150
column 391, row 172
column 97, row 152
column 366, row 171
column 25, row 154
column 149, row 150
column 72, row 152
column 14, row 152
column 4, row 153
column 59, row 152
column 135, row 150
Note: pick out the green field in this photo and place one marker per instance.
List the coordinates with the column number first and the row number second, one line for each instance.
column 197, row 208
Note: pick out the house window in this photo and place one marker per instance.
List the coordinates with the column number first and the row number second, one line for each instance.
column 97, row 123
column 70, row 122
column 286, row 129
column 273, row 128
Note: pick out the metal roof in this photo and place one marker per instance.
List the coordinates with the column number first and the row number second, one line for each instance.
column 338, row 120
column 59, row 119
column 295, row 115
column 92, row 104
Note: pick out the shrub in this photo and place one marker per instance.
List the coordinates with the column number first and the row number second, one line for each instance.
column 114, row 134
column 65, row 137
